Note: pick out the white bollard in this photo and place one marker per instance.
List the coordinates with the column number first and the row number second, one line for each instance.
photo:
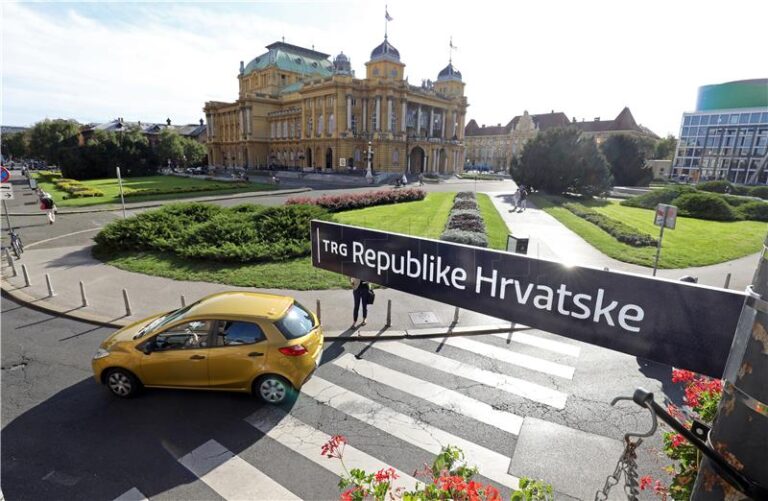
column 82, row 294
column 183, row 301
column 319, row 318
column 128, row 311
column 727, row 280
column 389, row 313
column 10, row 261
column 51, row 293
column 25, row 272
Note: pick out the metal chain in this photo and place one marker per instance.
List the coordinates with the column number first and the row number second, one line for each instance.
column 627, row 465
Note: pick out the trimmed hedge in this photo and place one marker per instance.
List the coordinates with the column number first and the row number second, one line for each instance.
column 723, row 186
column 618, row 230
column 466, row 220
column 464, row 195
column 245, row 233
column 465, row 237
column 705, row 206
column 754, row 211
column 663, row 196
column 75, row 188
column 133, row 192
column 465, row 203
column 759, row 191
column 348, row 201
column 465, row 224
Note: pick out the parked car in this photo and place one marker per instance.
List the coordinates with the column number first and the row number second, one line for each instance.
column 263, row 344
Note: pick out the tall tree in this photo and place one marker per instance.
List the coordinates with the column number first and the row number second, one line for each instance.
column 170, row 147
column 665, row 148
column 626, row 156
column 15, row 145
column 561, row 160
column 194, row 151
column 52, row 140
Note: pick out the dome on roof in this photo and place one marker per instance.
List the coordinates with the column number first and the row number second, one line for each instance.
column 342, row 65
column 449, row 73
column 385, row 51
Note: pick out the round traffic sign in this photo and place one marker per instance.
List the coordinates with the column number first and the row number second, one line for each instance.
column 5, row 176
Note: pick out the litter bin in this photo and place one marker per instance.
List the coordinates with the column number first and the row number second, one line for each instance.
column 517, row 244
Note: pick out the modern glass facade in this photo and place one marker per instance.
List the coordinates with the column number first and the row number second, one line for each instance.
column 730, row 145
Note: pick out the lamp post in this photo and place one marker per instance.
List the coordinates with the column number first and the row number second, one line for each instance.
column 369, row 173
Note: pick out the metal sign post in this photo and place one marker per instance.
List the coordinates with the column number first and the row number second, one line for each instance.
column 120, row 182
column 666, row 216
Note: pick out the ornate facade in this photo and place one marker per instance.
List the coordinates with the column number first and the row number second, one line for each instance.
column 296, row 108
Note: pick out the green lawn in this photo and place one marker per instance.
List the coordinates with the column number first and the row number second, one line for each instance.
column 112, row 190
column 694, row 242
column 495, row 226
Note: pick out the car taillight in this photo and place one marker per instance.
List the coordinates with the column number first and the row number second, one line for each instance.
column 293, row 351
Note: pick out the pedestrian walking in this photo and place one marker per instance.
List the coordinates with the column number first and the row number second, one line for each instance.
column 523, row 198
column 48, row 205
column 421, row 179
column 360, row 292
column 516, row 199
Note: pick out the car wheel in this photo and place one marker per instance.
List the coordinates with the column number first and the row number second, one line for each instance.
column 122, row 383
column 273, row 389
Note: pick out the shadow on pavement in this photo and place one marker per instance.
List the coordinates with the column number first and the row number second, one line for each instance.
column 673, row 392
column 83, row 443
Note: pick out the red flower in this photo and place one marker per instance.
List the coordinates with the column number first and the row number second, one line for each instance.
column 682, row 376
column 385, row 475
column 677, row 439
column 674, row 411
column 452, row 483
column 334, row 448
column 347, row 495
column 492, row 493
column 645, row 482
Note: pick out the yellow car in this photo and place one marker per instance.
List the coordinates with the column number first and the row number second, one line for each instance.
column 264, row 344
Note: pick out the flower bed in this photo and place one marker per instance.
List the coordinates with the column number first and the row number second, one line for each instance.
column 75, row 188
column 618, row 230
column 465, row 225
column 133, row 192
column 348, row 201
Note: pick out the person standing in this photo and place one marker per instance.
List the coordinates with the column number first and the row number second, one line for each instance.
column 360, row 291
column 523, row 198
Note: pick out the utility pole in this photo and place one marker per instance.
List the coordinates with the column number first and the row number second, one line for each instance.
column 740, row 430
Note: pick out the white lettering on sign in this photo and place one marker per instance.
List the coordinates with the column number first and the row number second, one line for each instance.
column 592, row 305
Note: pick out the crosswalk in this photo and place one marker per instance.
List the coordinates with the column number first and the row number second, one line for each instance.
column 414, row 396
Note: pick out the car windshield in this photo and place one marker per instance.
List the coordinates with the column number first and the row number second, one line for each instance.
column 163, row 320
column 296, row 323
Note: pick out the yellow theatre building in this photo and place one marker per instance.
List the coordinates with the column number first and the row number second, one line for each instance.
column 298, row 109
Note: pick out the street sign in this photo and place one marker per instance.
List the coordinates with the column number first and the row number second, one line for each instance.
column 675, row 323
column 5, row 176
column 6, row 191
column 666, row 215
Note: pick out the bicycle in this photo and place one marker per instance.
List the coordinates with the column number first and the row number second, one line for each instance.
column 16, row 244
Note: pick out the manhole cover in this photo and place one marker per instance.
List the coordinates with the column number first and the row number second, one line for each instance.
column 423, row 317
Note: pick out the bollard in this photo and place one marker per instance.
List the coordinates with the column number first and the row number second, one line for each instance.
column 183, row 301
column 82, row 294
column 318, row 312
column 10, row 261
column 128, row 312
column 389, row 313
column 25, row 272
column 51, row 293
column 727, row 280
column 606, row 269
column 456, row 315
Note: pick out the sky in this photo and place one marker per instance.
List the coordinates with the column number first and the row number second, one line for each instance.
column 148, row 61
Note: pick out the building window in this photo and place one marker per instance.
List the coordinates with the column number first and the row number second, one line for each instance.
column 396, row 157
column 331, row 123
column 320, row 124
column 354, row 123
column 272, row 130
column 285, row 128
column 309, row 126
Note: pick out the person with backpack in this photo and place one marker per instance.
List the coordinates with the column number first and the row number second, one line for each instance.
column 48, row 205
column 361, row 291
column 523, row 202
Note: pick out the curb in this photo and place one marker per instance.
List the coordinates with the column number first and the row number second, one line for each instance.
column 255, row 194
column 45, row 306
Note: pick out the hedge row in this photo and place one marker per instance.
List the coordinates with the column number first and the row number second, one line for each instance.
column 76, row 189
column 348, row 201
column 47, row 176
column 245, row 233
column 465, row 223
column 618, row 230
column 133, row 192
column 711, row 205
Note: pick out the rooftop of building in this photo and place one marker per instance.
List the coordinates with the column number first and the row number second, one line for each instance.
column 731, row 95
column 118, row 124
column 289, row 57
column 543, row 121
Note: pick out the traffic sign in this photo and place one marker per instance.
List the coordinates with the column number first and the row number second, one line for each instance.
column 6, row 195
column 5, row 176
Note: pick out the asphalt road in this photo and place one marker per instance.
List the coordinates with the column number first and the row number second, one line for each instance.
column 65, row 437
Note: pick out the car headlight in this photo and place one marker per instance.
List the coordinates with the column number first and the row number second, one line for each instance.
column 100, row 353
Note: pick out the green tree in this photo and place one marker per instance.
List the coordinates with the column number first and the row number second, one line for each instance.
column 626, row 156
column 136, row 157
column 53, row 140
column 194, row 151
column 15, row 145
column 665, row 148
column 170, row 146
column 561, row 160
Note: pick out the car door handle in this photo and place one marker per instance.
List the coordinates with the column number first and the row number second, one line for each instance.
column 255, row 354
column 197, row 357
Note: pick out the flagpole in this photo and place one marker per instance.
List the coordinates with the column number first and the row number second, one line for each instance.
column 386, row 20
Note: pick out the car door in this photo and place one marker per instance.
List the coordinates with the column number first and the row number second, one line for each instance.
column 238, row 354
column 178, row 356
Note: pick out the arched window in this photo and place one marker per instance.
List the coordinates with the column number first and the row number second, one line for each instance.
column 396, row 157
column 320, row 124
column 331, row 123
column 357, row 156
column 272, row 130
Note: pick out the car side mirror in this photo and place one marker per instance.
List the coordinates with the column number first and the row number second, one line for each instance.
column 147, row 348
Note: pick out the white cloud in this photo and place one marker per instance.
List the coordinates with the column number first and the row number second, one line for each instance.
column 150, row 61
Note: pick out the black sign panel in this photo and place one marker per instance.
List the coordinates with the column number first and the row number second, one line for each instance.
column 680, row 324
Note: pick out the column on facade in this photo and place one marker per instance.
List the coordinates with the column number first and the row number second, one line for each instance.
column 389, row 114
column 325, row 115
column 442, row 123
column 349, row 112
column 418, row 121
column 431, row 121
column 404, row 117
column 365, row 114
column 378, row 113
column 303, row 118
column 454, row 124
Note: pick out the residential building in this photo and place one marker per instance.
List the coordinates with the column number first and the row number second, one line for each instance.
column 726, row 137
column 624, row 123
column 296, row 108
column 150, row 130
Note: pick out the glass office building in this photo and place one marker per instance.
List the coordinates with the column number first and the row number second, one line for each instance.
column 727, row 136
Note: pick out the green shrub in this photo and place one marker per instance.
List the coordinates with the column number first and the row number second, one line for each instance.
column 465, row 219
column 735, row 201
column 463, row 195
column 705, row 206
column 754, row 211
column 654, row 197
column 465, row 203
column 759, row 191
column 618, row 230
column 465, row 237
column 720, row 186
